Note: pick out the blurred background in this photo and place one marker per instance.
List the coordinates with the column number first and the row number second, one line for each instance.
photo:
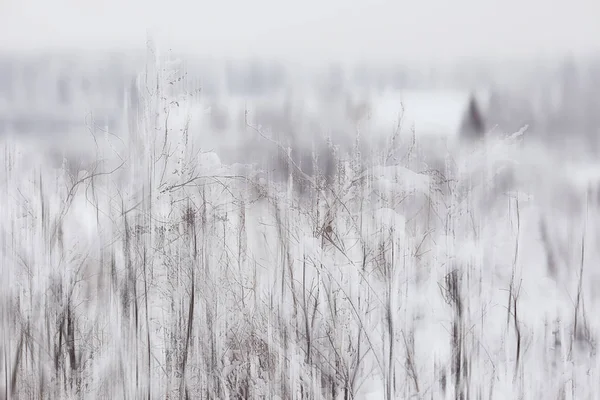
column 529, row 62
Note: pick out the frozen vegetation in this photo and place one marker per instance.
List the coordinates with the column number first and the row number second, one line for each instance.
column 157, row 272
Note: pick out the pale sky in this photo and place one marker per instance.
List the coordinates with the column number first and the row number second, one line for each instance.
column 320, row 29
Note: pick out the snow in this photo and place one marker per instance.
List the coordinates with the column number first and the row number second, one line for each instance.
column 584, row 175
column 401, row 178
column 209, row 160
column 436, row 113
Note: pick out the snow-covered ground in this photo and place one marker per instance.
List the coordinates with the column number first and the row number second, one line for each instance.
column 160, row 272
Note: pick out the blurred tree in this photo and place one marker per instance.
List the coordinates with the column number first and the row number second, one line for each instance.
column 64, row 90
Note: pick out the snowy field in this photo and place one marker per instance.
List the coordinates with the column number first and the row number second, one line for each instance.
column 159, row 272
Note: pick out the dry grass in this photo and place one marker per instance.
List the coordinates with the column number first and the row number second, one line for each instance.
column 166, row 275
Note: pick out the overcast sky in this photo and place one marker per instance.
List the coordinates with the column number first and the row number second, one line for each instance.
column 317, row 29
